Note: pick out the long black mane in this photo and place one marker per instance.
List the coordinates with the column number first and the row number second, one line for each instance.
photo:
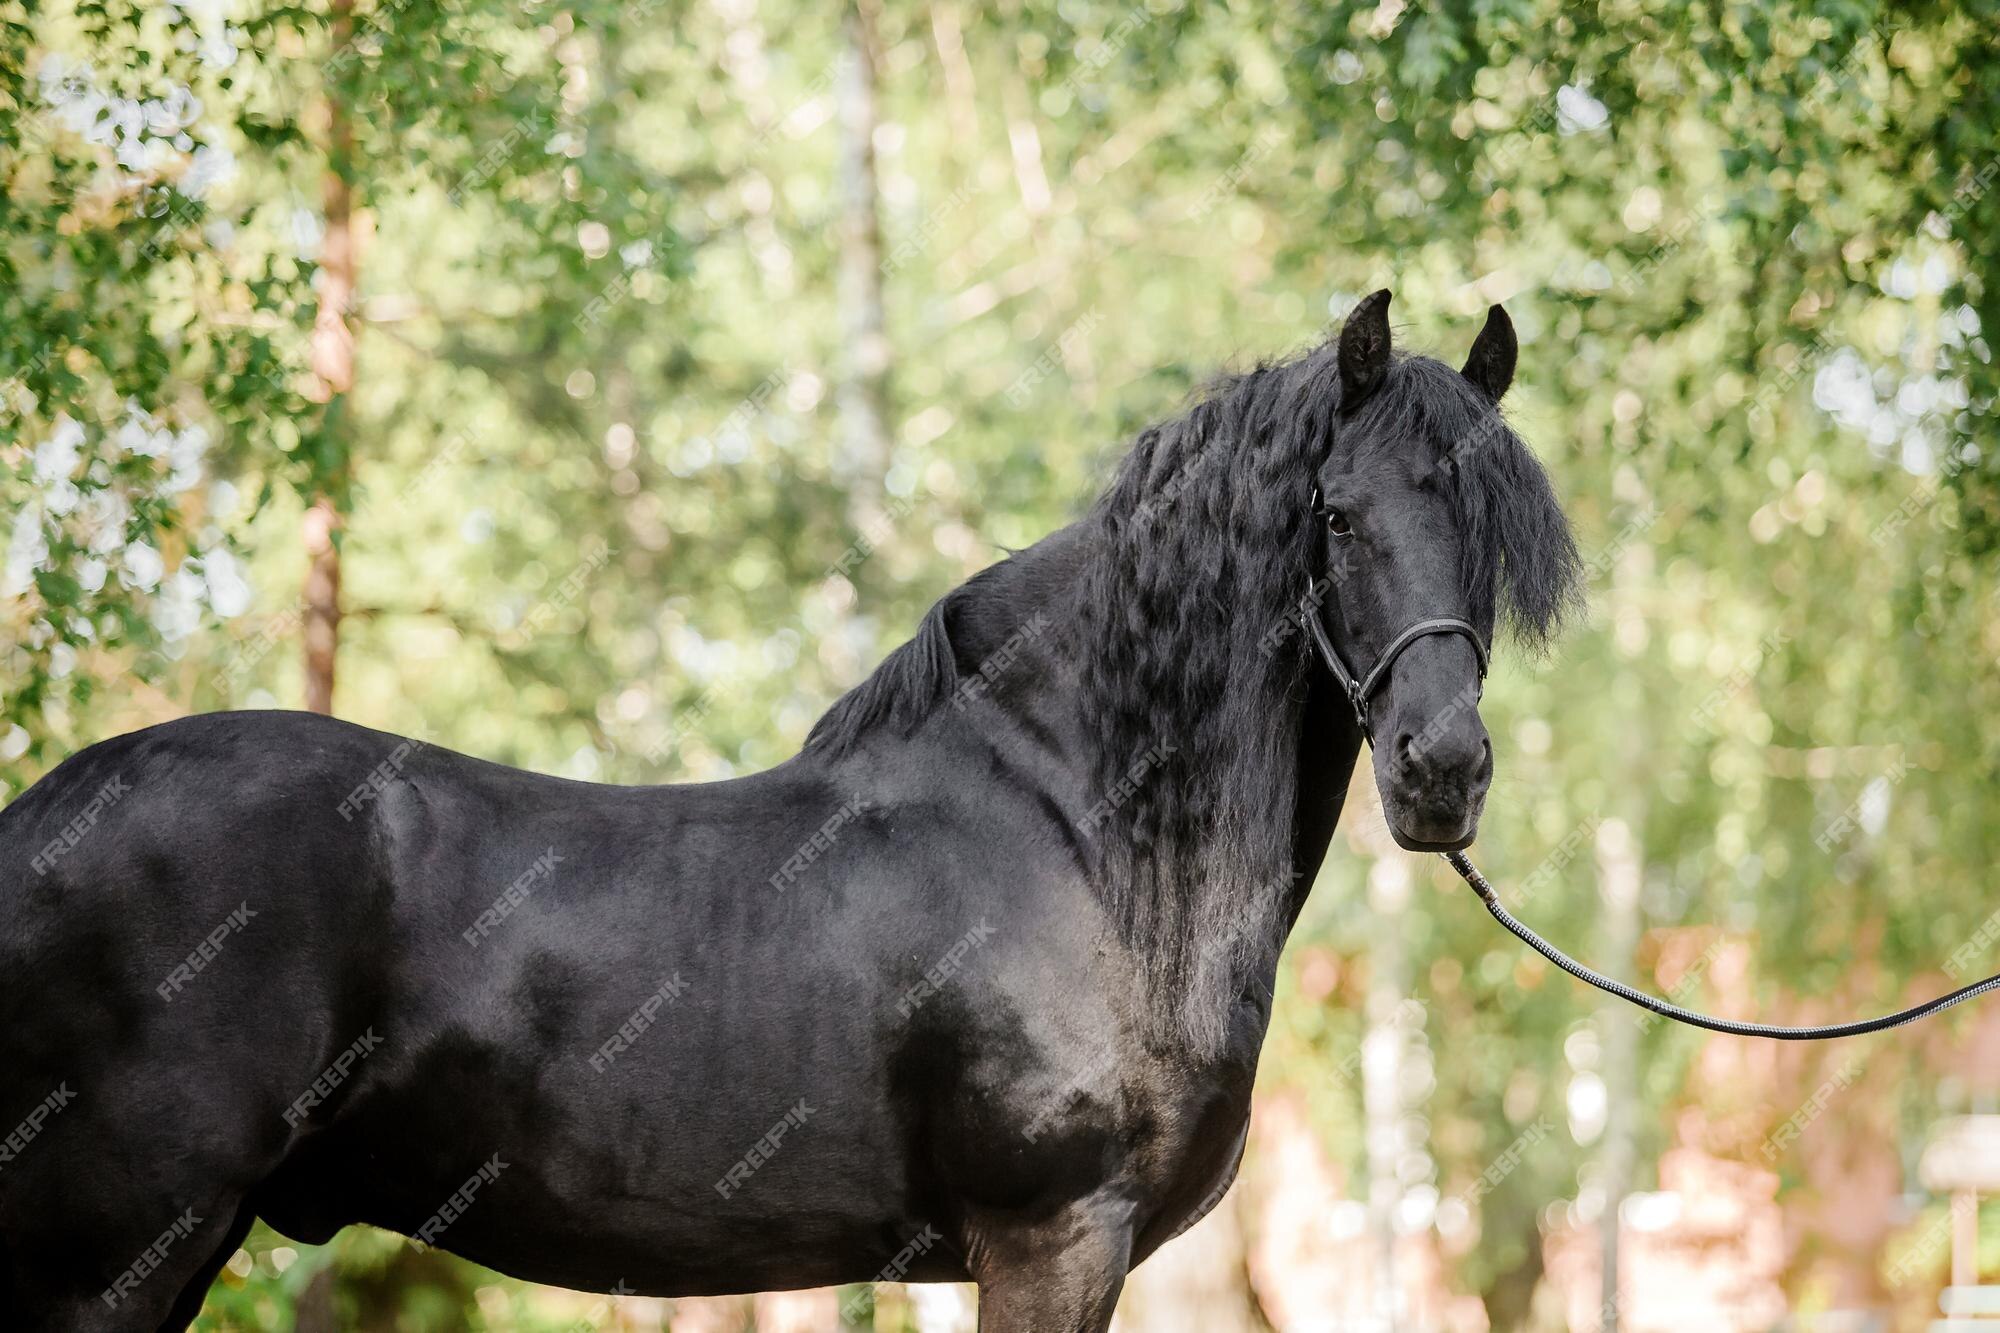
column 1193, row 692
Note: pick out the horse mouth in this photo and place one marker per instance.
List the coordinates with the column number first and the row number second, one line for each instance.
column 1431, row 830
column 1414, row 844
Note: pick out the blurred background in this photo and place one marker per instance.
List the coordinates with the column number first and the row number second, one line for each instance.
column 603, row 387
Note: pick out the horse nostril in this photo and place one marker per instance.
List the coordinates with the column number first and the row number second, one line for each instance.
column 1456, row 754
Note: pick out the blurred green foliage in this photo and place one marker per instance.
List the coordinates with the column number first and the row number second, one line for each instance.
column 1748, row 248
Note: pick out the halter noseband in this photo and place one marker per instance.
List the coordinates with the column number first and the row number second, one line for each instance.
column 1360, row 689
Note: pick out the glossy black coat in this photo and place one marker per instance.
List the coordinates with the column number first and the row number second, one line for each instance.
column 876, row 1012
column 1008, row 1105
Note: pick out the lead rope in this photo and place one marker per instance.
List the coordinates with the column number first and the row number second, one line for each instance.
column 1359, row 688
column 1470, row 873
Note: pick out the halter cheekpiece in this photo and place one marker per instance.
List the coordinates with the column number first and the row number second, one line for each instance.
column 1360, row 689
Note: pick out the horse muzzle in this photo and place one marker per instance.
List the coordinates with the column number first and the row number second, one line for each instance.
column 1433, row 783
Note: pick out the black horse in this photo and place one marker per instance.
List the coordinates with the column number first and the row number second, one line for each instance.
column 973, row 987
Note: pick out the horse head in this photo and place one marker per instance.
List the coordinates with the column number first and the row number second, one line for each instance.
column 1436, row 523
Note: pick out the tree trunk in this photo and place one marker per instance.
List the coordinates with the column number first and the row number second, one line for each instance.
column 1620, row 876
column 332, row 354
column 863, row 394
column 1383, row 1051
column 1618, row 880
column 322, row 603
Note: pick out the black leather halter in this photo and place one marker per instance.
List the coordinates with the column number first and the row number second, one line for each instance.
column 1360, row 689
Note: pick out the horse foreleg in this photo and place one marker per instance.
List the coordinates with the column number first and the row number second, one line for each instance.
column 74, row 1284
column 1058, row 1274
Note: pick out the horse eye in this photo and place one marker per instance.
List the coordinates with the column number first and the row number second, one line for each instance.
column 1336, row 523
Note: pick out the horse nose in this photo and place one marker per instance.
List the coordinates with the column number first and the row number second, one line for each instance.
column 1462, row 749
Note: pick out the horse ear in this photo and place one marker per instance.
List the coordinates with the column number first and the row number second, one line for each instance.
column 1490, row 366
column 1364, row 348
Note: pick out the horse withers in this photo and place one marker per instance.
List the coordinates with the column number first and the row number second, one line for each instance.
column 971, row 988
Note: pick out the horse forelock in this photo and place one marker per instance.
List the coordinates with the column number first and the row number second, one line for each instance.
column 1519, row 560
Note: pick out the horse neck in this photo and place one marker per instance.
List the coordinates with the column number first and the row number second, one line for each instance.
column 1329, row 749
column 1207, row 917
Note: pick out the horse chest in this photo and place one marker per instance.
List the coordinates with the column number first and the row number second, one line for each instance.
column 1204, row 1130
